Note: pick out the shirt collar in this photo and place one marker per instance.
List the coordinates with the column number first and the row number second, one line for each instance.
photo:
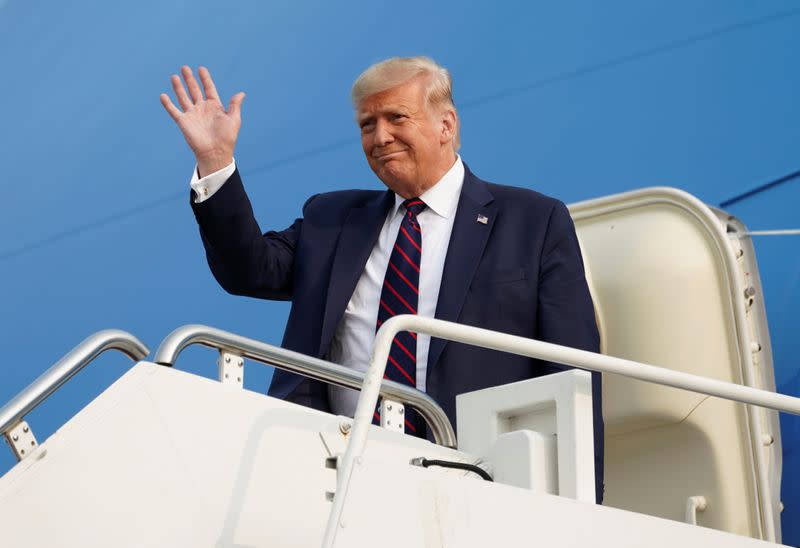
column 441, row 198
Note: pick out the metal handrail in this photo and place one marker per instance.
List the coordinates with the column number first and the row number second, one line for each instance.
column 65, row 368
column 524, row 347
column 315, row 368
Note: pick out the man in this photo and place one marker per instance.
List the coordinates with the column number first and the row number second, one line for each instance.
column 440, row 242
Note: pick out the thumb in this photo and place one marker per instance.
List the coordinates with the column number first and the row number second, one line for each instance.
column 235, row 106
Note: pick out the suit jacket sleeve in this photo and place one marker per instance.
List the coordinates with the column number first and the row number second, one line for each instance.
column 243, row 260
column 566, row 313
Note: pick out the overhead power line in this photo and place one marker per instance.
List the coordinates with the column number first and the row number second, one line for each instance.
column 527, row 88
column 92, row 225
column 632, row 57
column 759, row 189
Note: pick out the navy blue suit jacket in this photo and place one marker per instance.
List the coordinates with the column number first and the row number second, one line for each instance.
column 520, row 273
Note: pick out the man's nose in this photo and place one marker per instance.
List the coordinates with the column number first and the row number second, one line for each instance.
column 383, row 134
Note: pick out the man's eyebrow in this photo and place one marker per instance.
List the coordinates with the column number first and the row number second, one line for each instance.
column 363, row 118
column 387, row 109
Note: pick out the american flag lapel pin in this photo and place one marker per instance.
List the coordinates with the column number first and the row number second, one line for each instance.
column 483, row 219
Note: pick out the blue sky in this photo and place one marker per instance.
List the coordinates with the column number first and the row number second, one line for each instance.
column 577, row 99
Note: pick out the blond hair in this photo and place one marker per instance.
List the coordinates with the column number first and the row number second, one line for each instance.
column 399, row 70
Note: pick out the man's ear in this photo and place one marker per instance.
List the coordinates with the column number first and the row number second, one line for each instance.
column 449, row 120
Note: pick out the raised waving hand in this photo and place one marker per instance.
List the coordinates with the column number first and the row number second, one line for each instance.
column 209, row 129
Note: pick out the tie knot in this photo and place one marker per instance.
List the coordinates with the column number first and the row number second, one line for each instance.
column 414, row 206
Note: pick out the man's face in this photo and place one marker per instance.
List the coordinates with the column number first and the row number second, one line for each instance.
column 406, row 142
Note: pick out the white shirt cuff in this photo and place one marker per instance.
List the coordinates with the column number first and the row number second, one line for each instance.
column 206, row 187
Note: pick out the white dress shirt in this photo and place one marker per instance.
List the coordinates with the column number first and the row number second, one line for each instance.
column 206, row 187
column 352, row 342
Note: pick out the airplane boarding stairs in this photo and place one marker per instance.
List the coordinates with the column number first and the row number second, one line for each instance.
column 167, row 458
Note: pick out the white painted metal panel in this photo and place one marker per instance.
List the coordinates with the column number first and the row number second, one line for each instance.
column 166, row 458
column 559, row 404
column 425, row 508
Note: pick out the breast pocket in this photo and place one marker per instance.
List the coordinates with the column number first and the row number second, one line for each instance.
column 493, row 277
column 501, row 300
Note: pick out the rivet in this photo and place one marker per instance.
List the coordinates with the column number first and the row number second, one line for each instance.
column 22, row 451
column 226, row 375
column 33, row 443
column 389, row 407
column 238, row 379
column 15, row 437
column 241, row 363
column 780, row 506
column 750, row 291
column 755, row 346
column 344, row 427
column 401, row 410
column 227, row 359
column 388, row 423
column 766, row 439
column 25, row 429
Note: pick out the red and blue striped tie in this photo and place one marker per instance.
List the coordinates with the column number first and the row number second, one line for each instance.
column 399, row 295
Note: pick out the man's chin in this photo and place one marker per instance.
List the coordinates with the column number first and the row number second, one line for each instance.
column 402, row 187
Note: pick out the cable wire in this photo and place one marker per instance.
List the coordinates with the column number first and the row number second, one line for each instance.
column 425, row 463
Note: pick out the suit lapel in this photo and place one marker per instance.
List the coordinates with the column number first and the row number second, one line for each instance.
column 359, row 234
column 464, row 252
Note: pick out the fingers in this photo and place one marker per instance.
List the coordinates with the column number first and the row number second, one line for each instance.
column 235, row 106
column 195, row 95
column 180, row 92
column 208, row 84
column 191, row 83
column 172, row 110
